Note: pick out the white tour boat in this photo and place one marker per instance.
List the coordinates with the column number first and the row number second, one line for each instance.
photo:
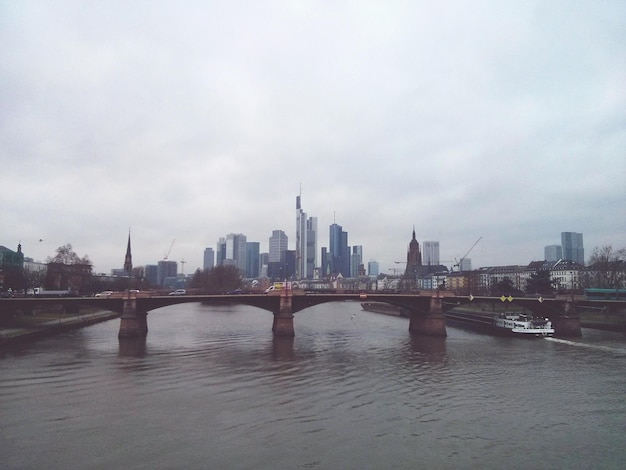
column 523, row 325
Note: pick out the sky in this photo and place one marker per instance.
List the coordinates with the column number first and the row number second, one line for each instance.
column 190, row 120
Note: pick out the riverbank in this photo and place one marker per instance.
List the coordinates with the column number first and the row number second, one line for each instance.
column 483, row 315
column 47, row 327
column 596, row 321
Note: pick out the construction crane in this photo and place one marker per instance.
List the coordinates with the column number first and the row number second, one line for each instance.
column 468, row 252
column 168, row 251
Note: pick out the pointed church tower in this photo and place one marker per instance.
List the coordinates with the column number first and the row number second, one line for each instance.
column 128, row 260
column 413, row 258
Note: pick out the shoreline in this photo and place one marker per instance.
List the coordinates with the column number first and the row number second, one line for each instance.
column 49, row 328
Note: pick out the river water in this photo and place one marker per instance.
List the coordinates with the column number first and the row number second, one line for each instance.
column 211, row 388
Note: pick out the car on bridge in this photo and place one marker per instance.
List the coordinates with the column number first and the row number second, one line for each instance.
column 105, row 293
column 178, row 292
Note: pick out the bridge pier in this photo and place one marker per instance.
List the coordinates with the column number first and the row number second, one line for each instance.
column 568, row 324
column 283, row 325
column 283, row 320
column 133, row 323
column 431, row 324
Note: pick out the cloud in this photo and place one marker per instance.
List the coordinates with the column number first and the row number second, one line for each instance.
column 190, row 121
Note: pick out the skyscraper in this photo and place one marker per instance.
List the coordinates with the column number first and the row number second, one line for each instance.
column 356, row 261
column 572, row 245
column 373, row 268
column 278, row 245
column 209, row 259
column 553, row 252
column 430, row 253
column 311, row 246
column 220, row 256
column 339, row 253
column 236, row 250
column 165, row 269
column 252, row 259
column 306, row 243
column 277, row 259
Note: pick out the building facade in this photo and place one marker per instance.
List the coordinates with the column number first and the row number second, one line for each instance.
column 253, row 264
column 572, row 245
column 306, row 243
column 339, row 252
column 236, row 251
column 465, row 264
column 278, row 245
column 11, row 268
column 166, row 269
column 356, row 261
column 553, row 252
column 413, row 260
column 430, row 253
column 373, row 268
column 208, row 260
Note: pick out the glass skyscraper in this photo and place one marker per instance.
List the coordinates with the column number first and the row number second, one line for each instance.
column 306, row 243
column 572, row 246
column 339, row 253
column 430, row 253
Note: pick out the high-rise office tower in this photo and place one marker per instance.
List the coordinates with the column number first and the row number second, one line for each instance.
column 306, row 243
column 553, row 252
column 324, row 263
column 220, row 255
column 572, row 245
column 373, row 268
column 209, row 259
column 165, row 269
column 311, row 246
column 430, row 253
column 339, row 253
column 278, row 246
column 253, row 265
column 356, row 261
column 236, row 250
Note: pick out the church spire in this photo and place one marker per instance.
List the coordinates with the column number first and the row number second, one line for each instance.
column 128, row 260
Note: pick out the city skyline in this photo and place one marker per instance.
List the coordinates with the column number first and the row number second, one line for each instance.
column 234, row 249
column 202, row 119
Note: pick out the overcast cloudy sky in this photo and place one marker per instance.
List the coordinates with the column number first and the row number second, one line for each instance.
column 190, row 120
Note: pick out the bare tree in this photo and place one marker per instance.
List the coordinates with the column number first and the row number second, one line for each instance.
column 66, row 255
column 217, row 279
column 607, row 268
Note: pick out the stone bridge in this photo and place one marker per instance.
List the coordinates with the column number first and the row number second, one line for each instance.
column 425, row 311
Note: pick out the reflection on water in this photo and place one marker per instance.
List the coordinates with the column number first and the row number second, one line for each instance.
column 282, row 349
column 210, row 387
column 132, row 347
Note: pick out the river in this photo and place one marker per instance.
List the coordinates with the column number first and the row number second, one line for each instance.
column 211, row 388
